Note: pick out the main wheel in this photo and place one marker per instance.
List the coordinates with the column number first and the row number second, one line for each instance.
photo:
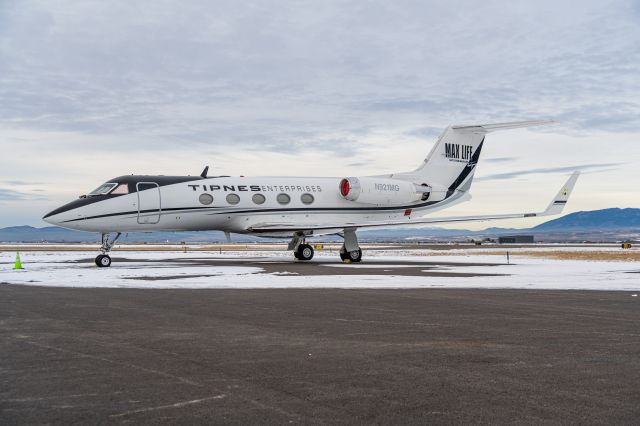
column 304, row 252
column 355, row 256
column 103, row 261
column 351, row 256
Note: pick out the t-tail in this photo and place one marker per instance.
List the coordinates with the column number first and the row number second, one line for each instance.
column 452, row 161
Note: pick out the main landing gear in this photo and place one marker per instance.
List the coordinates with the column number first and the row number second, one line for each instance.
column 103, row 260
column 304, row 252
column 301, row 250
column 353, row 256
column 349, row 253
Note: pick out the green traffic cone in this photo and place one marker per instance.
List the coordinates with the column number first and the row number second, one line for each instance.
column 18, row 264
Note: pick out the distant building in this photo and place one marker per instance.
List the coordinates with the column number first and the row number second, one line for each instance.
column 516, row 239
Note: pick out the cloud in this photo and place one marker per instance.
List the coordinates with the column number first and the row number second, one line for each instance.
column 21, row 182
column 96, row 85
column 499, row 159
column 547, row 170
column 11, row 195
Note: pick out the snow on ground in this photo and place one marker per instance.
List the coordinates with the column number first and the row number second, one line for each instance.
column 181, row 270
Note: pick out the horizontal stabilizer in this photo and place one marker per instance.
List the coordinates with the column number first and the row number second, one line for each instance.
column 487, row 128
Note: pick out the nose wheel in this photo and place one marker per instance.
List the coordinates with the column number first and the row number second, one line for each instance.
column 103, row 261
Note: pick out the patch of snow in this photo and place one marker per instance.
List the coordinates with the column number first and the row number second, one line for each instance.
column 181, row 270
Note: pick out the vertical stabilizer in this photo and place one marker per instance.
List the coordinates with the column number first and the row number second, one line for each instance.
column 452, row 161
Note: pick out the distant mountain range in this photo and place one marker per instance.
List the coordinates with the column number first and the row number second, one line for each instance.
column 597, row 225
column 595, row 219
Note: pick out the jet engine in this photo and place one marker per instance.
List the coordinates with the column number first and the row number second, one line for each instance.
column 382, row 191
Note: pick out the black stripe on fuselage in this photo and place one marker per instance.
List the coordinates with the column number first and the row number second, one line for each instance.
column 450, row 191
column 131, row 181
column 81, row 202
column 275, row 210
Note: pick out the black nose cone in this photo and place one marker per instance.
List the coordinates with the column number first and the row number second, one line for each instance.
column 80, row 202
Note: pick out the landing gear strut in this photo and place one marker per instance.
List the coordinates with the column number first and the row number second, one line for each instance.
column 301, row 250
column 353, row 256
column 350, row 251
column 103, row 260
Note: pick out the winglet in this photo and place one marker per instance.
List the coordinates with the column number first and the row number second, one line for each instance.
column 204, row 172
column 557, row 204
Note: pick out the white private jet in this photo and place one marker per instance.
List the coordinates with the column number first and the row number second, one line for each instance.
column 294, row 207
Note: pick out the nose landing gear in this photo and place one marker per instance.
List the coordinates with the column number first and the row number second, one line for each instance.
column 103, row 260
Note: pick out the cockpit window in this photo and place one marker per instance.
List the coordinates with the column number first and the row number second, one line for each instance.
column 103, row 189
column 123, row 188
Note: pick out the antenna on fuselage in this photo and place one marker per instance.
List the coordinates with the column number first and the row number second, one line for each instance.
column 204, row 172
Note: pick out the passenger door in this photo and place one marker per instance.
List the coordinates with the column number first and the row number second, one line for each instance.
column 149, row 202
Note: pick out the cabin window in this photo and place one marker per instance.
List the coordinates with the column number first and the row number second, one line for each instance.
column 306, row 198
column 103, row 189
column 123, row 188
column 258, row 198
column 283, row 199
column 205, row 199
column 233, row 199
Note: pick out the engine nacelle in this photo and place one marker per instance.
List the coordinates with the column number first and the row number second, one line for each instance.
column 382, row 191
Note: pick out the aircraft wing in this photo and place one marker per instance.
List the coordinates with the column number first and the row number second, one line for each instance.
column 555, row 207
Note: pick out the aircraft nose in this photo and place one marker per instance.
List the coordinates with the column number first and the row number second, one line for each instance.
column 63, row 213
column 51, row 218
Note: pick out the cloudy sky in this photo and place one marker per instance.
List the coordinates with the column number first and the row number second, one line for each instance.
column 90, row 90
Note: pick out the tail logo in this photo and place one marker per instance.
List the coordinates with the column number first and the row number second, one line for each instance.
column 457, row 152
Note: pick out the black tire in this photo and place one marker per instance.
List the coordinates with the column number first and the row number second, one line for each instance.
column 355, row 256
column 304, row 252
column 352, row 256
column 103, row 261
column 343, row 254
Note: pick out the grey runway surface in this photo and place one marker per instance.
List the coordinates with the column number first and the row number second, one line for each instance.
column 274, row 356
column 428, row 267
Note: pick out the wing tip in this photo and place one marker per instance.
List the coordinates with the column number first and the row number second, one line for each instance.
column 562, row 197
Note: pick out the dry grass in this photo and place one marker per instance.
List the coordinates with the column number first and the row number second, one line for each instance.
column 602, row 255
column 143, row 247
column 618, row 256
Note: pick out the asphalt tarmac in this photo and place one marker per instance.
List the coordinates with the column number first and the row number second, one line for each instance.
column 276, row 356
column 319, row 266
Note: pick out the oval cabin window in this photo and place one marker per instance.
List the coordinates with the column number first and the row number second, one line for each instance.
column 258, row 198
column 233, row 199
column 205, row 199
column 283, row 199
column 306, row 198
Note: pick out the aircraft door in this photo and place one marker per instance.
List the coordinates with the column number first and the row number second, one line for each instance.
column 149, row 202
